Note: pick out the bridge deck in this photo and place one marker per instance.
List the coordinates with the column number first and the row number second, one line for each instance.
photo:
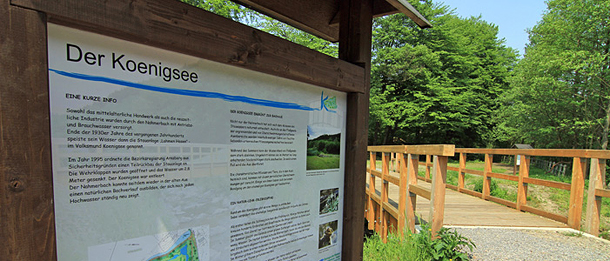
column 465, row 210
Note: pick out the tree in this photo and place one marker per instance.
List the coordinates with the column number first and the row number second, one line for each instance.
column 224, row 8
column 560, row 96
column 438, row 85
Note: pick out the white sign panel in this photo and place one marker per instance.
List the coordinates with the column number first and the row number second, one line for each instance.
column 163, row 156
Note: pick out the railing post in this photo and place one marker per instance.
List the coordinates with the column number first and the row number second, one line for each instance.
column 371, row 212
column 402, row 196
column 437, row 197
column 486, row 178
column 385, row 169
column 576, row 193
column 594, row 203
column 412, row 165
column 461, row 173
column 524, row 172
column 427, row 168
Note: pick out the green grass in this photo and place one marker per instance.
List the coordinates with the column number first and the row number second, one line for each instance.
column 394, row 249
column 418, row 246
column 328, row 161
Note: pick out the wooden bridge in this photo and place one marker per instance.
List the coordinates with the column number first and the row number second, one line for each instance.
column 402, row 195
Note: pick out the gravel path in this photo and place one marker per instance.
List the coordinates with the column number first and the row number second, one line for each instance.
column 534, row 244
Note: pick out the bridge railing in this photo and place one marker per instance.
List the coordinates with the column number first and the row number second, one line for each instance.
column 399, row 166
column 576, row 187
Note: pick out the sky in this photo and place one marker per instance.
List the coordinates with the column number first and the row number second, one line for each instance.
column 512, row 17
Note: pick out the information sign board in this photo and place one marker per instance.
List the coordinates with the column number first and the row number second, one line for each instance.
column 159, row 155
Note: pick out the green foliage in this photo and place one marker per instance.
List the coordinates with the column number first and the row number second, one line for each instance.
column 478, row 186
column 419, row 246
column 437, row 85
column 446, row 247
column 297, row 36
column 495, row 189
column 560, row 96
column 329, row 144
column 396, row 248
column 312, row 152
column 227, row 9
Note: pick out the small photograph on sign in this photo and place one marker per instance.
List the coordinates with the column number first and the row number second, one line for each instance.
column 323, row 147
column 329, row 200
column 327, row 233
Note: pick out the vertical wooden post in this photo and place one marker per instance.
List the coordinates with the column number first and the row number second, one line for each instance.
column 412, row 165
column 27, row 223
column 486, row 178
column 461, row 174
column 427, row 168
column 576, row 193
column 355, row 36
column 524, row 172
column 402, row 196
column 594, row 203
column 437, row 197
column 385, row 169
column 371, row 202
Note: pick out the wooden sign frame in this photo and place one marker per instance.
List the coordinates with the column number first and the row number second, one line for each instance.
column 26, row 193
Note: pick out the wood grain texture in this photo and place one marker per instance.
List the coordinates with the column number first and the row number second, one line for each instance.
column 412, row 167
column 602, row 193
column 440, row 150
column 371, row 203
column 559, row 218
column 576, row 193
column 437, row 198
column 322, row 17
column 402, row 198
column 503, row 176
column 179, row 27
column 461, row 174
column 392, row 211
column 404, row 7
column 300, row 14
column 502, row 201
column 428, row 166
column 465, row 210
column 355, row 47
column 594, row 202
column 27, row 228
column 524, row 173
column 385, row 186
column 547, row 183
column 568, row 153
column 472, row 193
column 486, row 179
column 420, row 191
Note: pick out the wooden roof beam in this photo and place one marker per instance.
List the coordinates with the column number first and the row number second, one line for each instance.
column 385, row 7
column 321, row 17
column 312, row 16
column 404, row 7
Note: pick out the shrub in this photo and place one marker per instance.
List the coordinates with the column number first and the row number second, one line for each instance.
column 419, row 246
column 478, row 186
column 312, row 152
column 446, row 247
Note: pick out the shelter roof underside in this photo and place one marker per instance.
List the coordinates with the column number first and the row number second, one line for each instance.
column 321, row 17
